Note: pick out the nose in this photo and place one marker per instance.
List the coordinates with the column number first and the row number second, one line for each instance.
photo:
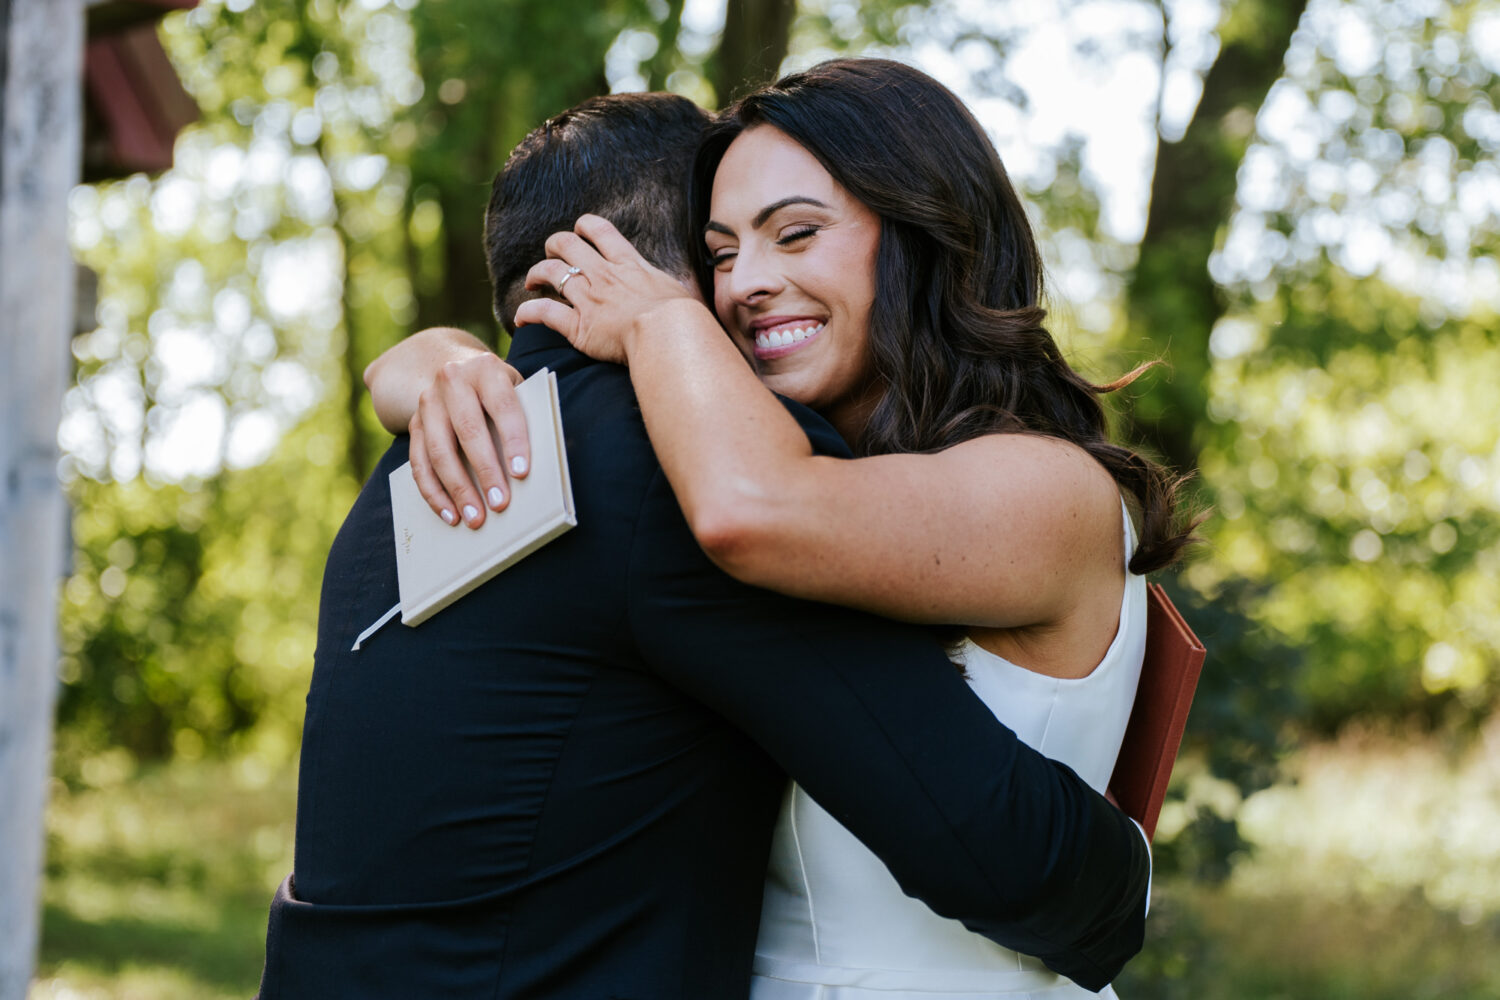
column 752, row 278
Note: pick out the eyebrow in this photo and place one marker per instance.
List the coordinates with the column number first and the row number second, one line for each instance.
column 765, row 213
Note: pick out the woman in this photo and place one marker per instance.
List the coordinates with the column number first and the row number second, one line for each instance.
column 864, row 248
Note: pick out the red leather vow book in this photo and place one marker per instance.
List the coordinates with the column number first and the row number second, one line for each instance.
column 1174, row 657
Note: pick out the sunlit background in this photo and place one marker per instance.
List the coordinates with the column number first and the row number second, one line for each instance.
column 1297, row 209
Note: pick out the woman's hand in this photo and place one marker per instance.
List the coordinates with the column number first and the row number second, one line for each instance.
column 607, row 289
column 441, row 384
column 454, row 413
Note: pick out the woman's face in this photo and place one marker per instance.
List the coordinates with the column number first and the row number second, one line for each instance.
column 794, row 273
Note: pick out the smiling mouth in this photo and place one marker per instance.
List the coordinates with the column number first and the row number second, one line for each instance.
column 780, row 342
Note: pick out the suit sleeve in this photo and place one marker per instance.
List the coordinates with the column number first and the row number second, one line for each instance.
column 871, row 718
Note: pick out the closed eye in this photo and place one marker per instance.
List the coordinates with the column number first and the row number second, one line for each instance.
column 726, row 256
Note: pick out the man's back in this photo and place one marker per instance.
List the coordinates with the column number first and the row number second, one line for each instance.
column 505, row 792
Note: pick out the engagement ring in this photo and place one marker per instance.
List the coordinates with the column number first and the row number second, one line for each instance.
column 571, row 271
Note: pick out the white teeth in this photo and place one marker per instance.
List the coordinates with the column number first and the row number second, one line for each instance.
column 784, row 338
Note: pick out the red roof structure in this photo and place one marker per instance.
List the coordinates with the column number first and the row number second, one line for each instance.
column 135, row 104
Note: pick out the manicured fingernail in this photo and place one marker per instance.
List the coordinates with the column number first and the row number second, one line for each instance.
column 518, row 465
column 446, row 515
column 470, row 513
column 496, row 496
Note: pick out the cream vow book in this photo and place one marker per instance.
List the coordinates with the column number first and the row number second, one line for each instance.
column 436, row 564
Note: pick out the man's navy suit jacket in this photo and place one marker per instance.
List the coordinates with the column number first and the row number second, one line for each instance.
column 564, row 785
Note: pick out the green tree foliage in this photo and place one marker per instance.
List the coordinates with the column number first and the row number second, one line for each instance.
column 234, row 291
column 1347, row 444
column 190, row 614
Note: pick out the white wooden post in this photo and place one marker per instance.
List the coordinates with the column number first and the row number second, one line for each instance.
column 41, row 71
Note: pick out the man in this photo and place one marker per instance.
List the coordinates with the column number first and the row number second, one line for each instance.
column 564, row 784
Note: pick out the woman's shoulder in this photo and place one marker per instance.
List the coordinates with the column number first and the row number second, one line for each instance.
column 1068, row 509
column 1058, row 474
column 1052, row 490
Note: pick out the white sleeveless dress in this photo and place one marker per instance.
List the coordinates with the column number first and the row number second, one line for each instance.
column 836, row 926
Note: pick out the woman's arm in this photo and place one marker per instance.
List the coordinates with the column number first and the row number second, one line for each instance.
column 398, row 376
column 1000, row 531
column 1003, row 531
column 444, row 387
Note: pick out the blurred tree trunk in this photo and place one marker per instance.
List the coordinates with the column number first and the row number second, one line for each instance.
column 359, row 455
column 1173, row 303
column 463, row 299
column 537, row 60
column 359, row 458
column 41, row 128
column 756, row 35
column 659, row 67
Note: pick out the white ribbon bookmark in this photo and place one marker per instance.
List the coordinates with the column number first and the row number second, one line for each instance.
column 376, row 627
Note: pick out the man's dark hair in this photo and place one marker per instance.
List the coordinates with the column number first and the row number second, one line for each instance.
column 626, row 157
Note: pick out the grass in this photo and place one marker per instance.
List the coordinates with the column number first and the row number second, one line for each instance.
column 1375, row 879
column 158, row 882
column 1217, row 943
column 1376, row 875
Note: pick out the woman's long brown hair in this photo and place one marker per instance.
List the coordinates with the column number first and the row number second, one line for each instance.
column 956, row 329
